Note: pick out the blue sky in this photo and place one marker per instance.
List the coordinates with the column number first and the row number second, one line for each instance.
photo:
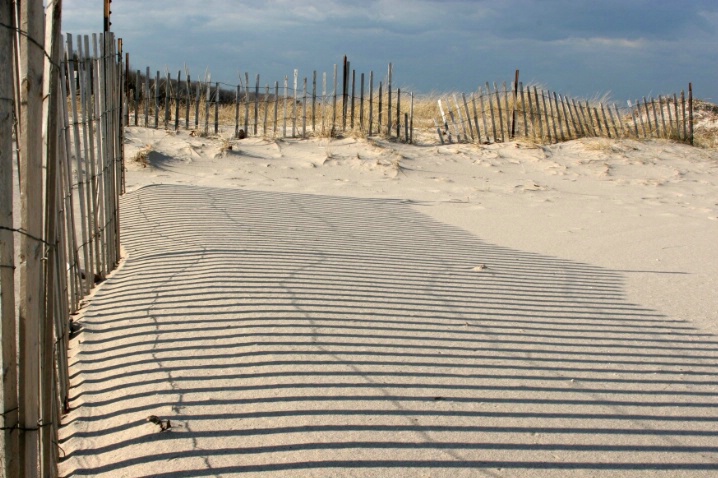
column 582, row 48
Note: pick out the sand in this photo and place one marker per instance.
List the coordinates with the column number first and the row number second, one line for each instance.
column 358, row 307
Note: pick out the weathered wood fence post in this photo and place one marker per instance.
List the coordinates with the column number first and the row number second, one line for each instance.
column 32, row 247
column 9, row 416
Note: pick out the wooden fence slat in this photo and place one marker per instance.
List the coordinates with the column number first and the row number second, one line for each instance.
column 137, row 95
column 598, row 121
column 577, row 114
column 167, row 101
column 371, row 101
column 188, row 99
column 89, row 113
column 549, row 116
column 266, row 110
column 690, row 113
column 557, row 117
column 513, row 108
column 361, row 103
column 663, row 117
column 236, row 112
column 491, row 110
column 353, row 96
column 207, row 102
column 620, row 121
column 678, row 121
column 398, row 113
column 286, row 99
column 177, row 100
column 72, row 250
column 379, row 111
column 157, row 99
column 589, row 120
column 411, row 120
column 498, row 108
column 461, row 118
column 345, row 86
column 388, row 102
column 506, row 109
column 633, row 119
column 256, row 105
column 11, row 445
column 50, row 109
column 476, row 118
column 531, row 114
column 334, row 104
column 523, row 109
column 89, row 155
column 304, row 110
column 468, row 116
column 655, row 117
column 147, row 97
column 406, row 128
column 445, row 123
column 102, row 158
column 324, row 102
column 294, row 104
column 573, row 117
column 671, row 128
column 246, row 103
column 276, row 108
column 683, row 109
column 538, row 114
column 646, row 129
column 438, row 131
column 314, row 100
column 648, row 117
column 31, row 279
column 483, row 114
column 562, row 100
column 216, row 108
column 605, row 120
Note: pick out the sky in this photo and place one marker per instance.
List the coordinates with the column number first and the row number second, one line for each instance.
column 625, row 49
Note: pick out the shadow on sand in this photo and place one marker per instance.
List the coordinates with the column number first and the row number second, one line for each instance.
column 326, row 336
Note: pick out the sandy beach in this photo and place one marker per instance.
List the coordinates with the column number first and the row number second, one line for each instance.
column 359, row 307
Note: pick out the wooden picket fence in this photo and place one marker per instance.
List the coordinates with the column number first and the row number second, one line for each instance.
column 293, row 108
column 65, row 132
column 499, row 114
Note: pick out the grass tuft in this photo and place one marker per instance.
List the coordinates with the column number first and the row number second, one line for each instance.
column 143, row 156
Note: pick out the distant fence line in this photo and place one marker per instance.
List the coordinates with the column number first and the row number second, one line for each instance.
column 64, row 237
column 490, row 116
column 292, row 108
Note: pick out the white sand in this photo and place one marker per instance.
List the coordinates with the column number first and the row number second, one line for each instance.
column 365, row 308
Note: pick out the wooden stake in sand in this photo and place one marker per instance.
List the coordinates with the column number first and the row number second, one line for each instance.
column 388, row 102
column 208, row 99
column 690, row 112
column 491, row 110
column 314, row 101
column 177, row 99
column 216, row 108
column 361, row 103
column 371, row 101
column 256, row 105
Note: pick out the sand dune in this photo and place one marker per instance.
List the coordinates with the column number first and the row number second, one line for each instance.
column 358, row 307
